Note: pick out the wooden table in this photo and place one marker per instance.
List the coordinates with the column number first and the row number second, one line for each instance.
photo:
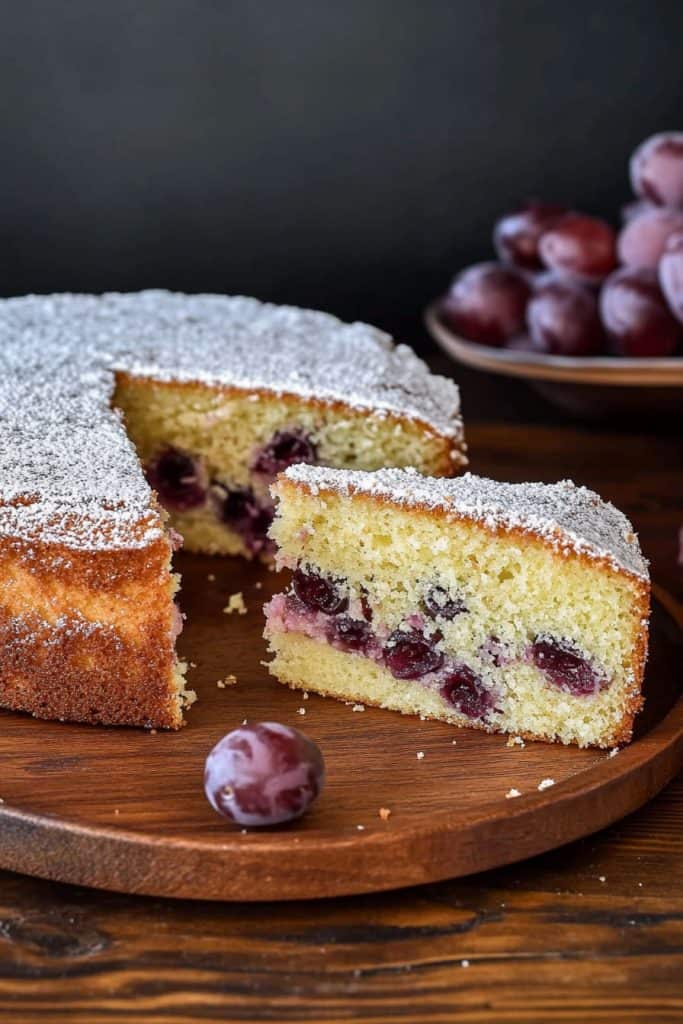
column 592, row 932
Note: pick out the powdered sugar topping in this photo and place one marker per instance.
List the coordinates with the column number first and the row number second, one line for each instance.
column 67, row 469
column 568, row 517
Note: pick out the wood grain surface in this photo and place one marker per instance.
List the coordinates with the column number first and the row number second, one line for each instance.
column 591, row 932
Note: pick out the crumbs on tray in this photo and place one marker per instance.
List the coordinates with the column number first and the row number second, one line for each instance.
column 236, row 604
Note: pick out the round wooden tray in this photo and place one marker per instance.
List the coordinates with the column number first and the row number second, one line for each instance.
column 124, row 809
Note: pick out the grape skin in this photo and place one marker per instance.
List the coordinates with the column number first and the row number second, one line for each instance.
column 580, row 248
column 636, row 317
column 487, row 303
column 656, row 169
column 671, row 275
column 643, row 240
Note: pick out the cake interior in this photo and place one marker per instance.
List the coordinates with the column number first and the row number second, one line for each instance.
column 212, row 453
column 400, row 608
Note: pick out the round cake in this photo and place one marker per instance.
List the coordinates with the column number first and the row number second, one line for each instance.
column 126, row 418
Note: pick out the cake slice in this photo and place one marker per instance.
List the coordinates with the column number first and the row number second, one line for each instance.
column 518, row 608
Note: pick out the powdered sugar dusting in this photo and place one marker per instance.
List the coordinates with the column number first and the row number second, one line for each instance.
column 67, row 470
column 566, row 516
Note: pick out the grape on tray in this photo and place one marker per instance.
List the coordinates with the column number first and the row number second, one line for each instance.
column 671, row 275
column 263, row 774
column 579, row 247
column 516, row 235
column 487, row 303
column 635, row 314
column 563, row 319
column 643, row 240
column 657, row 169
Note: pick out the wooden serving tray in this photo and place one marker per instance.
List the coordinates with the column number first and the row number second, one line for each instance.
column 124, row 809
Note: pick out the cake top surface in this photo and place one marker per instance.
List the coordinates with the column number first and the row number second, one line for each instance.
column 67, row 468
column 566, row 516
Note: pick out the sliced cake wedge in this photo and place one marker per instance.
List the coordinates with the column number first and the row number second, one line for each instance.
column 518, row 608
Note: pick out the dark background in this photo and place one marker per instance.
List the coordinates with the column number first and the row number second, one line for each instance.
column 346, row 155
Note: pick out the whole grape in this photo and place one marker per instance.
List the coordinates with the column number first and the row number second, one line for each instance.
column 643, row 240
column 579, row 247
column 263, row 774
column 516, row 235
column 656, row 169
column 635, row 208
column 635, row 315
column 563, row 319
column 486, row 303
column 671, row 275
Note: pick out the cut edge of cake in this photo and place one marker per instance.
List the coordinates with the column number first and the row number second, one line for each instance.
column 597, row 550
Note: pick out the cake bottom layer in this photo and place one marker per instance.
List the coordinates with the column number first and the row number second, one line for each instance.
column 303, row 663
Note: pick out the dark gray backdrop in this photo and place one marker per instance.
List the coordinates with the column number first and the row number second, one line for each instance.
column 346, row 155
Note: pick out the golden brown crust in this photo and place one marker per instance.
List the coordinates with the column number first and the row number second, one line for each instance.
column 88, row 635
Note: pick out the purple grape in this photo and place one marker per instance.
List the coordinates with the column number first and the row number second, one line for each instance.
column 350, row 634
column 656, row 169
column 467, row 693
column 439, row 604
column 318, row 592
column 637, row 320
column 239, row 508
column 643, row 240
column 635, row 208
column 671, row 275
column 579, row 247
column 516, row 235
column 285, row 448
column 178, row 478
column 410, row 655
column 565, row 667
column 563, row 319
column 263, row 774
column 486, row 303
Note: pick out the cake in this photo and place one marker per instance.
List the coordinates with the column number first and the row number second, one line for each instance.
column 127, row 420
column 519, row 608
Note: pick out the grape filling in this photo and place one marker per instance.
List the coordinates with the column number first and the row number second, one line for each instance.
column 178, row 478
column 410, row 655
column 565, row 667
column 285, row 448
column 467, row 693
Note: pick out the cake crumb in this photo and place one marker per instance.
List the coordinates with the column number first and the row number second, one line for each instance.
column 464, row 963
column 301, row 711
column 244, row 721
column 236, row 604
column 304, row 695
column 116, row 810
column 211, row 578
column 258, row 585
column 602, row 878
column 189, row 698
column 454, row 742
column 515, row 741
column 384, row 813
column 420, row 755
column 361, row 828
column 230, row 680
column 243, row 832
column 546, row 783
column 152, row 732
column 193, row 664
column 512, row 793
column 358, row 707
column 1, row 800
column 613, row 752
